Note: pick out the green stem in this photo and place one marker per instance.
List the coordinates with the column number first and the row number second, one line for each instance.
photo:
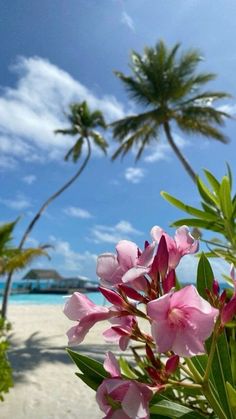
column 186, row 385
column 213, row 401
column 198, row 378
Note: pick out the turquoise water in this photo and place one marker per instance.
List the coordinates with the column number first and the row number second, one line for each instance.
column 96, row 297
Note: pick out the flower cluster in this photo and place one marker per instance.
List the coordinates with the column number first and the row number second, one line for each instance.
column 141, row 284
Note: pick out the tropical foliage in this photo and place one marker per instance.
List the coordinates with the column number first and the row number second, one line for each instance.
column 172, row 93
column 6, row 380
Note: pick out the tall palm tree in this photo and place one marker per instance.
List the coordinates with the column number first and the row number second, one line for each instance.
column 83, row 125
column 170, row 90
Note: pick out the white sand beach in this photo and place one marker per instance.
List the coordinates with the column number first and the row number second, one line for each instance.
column 45, row 384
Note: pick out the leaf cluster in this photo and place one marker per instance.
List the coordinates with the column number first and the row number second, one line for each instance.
column 218, row 214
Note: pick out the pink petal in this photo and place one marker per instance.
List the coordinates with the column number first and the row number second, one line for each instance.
column 158, row 309
column 134, row 403
column 111, row 365
column 156, row 233
column 185, row 241
column 146, row 258
column 127, row 254
column 134, row 273
column 202, row 323
column 188, row 296
column 229, row 311
column 163, row 335
column 108, row 269
column 186, row 344
column 78, row 306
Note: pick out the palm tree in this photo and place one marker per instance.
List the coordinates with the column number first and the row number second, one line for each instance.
column 12, row 258
column 167, row 85
column 83, row 124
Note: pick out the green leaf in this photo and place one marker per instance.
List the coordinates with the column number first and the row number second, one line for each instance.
column 127, row 369
column 93, row 371
column 187, row 208
column 212, row 181
column 232, row 398
column 206, row 194
column 193, row 222
column 225, row 198
column 90, row 382
column 171, row 409
column 205, row 276
column 221, row 371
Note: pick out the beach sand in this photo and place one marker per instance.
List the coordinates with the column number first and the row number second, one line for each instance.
column 45, row 383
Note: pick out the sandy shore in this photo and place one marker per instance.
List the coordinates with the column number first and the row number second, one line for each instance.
column 45, row 384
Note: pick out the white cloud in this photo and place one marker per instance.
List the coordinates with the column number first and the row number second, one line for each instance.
column 113, row 234
column 19, row 203
column 42, row 93
column 127, row 21
column 187, row 269
column 72, row 261
column 77, row 212
column 161, row 150
column 29, row 179
column 134, row 174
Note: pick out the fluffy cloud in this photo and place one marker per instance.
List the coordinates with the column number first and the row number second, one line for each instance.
column 134, row 174
column 42, row 93
column 112, row 234
column 72, row 261
column 19, row 203
column 77, row 212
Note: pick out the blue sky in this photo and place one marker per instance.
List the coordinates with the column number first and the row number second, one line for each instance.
column 55, row 53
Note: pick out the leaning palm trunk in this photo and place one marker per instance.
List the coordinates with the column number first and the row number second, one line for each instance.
column 178, row 153
column 7, row 289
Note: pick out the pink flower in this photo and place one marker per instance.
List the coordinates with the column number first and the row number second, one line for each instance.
column 182, row 244
column 129, row 266
column 123, row 399
column 80, row 308
column 120, row 331
column 182, row 321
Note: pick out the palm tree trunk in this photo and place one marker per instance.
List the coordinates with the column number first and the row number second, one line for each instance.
column 178, row 153
column 7, row 289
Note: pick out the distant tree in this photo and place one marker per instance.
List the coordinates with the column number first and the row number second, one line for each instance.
column 84, row 123
column 168, row 86
column 12, row 258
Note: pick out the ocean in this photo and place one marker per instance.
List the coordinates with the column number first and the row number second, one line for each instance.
column 41, row 299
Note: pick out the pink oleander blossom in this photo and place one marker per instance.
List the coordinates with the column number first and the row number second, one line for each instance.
column 80, row 308
column 120, row 331
column 124, row 399
column 181, row 321
column 128, row 266
column 182, row 244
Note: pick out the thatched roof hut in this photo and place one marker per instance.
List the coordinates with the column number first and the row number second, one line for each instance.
column 44, row 274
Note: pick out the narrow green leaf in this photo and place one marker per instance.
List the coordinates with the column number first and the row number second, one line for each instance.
column 225, row 198
column 206, row 194
column 205, row 276
column 193, row 222
column 221, row 371
column 88, row 381
column 232, row 345
column 187, row 208
column 171, row 409
column 232, row 398
column 91, row 368
column 213, row 182
column 126, row 369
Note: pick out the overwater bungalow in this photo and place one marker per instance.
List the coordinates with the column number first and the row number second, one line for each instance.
column 46, row 281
